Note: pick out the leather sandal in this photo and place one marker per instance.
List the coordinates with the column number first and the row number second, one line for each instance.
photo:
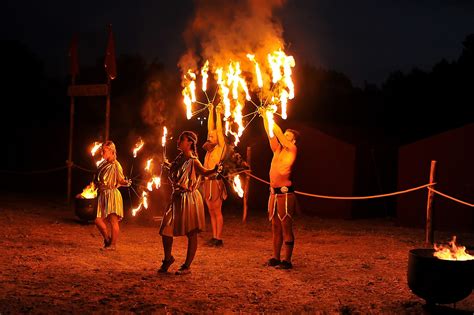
column 166, row 265
column 183, row 270
column 273, row 262
column 285, row 265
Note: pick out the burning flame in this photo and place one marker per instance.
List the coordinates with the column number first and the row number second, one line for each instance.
column 95, row 147
column 148, row 165
column 143, row 203
column 99, row 162
column 90, row 192
column 155, row 180
column 235, row 83
column 189, row 92
column 258, row 73
column 138, row 147
column 163, row 139
column 238, row 186
column 452, row 251
column 204, row 75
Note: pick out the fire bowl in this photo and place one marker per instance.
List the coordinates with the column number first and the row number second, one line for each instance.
column 439, row 281
column 85, row 209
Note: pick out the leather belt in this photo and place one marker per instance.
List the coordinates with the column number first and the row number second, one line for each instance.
column 282, row 190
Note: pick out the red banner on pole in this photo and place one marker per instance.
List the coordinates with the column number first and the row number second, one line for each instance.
column 73, row 57
column 110, row 66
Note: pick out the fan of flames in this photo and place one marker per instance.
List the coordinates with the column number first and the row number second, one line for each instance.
column 274, row 87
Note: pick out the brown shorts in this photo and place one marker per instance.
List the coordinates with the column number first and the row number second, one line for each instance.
column 214, row 189
column 282, row 205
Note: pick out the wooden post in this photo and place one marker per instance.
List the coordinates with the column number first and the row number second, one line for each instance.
column 248, row 159
column 429, row 233
column 69, row 156
column 107, row 111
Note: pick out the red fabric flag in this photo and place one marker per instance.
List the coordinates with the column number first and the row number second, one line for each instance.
column 110, row 66
column 73, row 57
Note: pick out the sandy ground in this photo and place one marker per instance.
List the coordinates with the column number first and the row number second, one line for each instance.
column 52, row 264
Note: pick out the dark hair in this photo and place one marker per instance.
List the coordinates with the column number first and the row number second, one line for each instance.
column 295, row 133
column 191, row 136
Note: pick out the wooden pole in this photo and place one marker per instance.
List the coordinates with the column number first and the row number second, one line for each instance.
column 107, row 111
column 247, row 182
column 429, row 233
column 69, row 156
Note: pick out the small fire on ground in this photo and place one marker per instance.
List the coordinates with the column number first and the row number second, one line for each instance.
column 452, row 251
column 89, row 192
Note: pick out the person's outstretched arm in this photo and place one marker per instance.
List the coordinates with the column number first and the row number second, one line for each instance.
column 274, row 144
column 201, row 170
column 287, row 144
column 220, row 130
column 210, row 120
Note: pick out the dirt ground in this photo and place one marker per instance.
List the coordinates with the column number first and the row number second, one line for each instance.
column 52, row 264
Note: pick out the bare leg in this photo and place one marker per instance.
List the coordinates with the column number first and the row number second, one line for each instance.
column 288, row 237
column 102, row 227
column 212, row 215
column 114, row 222
column 217, row 220
column 167, row 246
column 192, row 248
column 277, row 237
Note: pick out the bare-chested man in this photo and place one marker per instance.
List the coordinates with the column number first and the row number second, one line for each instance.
column 282, row 201
column 214, row 191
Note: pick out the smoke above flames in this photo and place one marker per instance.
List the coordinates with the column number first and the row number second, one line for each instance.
column 228, row 30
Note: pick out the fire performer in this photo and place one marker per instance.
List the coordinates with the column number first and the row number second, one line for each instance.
column 214, row 190
column 109, row 178
column 185, row 214
column 282, row 200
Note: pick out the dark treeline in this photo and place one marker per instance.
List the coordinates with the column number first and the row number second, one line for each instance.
column 146, row 95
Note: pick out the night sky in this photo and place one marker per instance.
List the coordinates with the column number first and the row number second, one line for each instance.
column 364, row 39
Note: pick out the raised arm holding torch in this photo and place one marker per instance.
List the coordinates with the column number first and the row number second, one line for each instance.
column 282, row 200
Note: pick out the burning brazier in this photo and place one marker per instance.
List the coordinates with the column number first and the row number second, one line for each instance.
column 441, row 277
column 85, row 206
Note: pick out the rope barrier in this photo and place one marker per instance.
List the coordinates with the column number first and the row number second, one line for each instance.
column 50, row 170
column 351, row 197
column 83, row 168
column 452, row 198
column 45, row 171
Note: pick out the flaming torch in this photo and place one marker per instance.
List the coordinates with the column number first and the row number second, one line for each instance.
column 148, row 165
column 138, row 147
column 95, row 147
column 143, row 203
column 238, row 186
column 163, row 140
column 234, row 85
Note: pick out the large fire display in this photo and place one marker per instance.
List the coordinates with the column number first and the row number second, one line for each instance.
column 261, row 81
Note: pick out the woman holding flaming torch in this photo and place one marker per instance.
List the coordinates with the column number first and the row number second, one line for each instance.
column 185, row 214
column 110, row 204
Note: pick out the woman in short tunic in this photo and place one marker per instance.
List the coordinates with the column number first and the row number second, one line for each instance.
column 109, row 204
column 185, row 214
